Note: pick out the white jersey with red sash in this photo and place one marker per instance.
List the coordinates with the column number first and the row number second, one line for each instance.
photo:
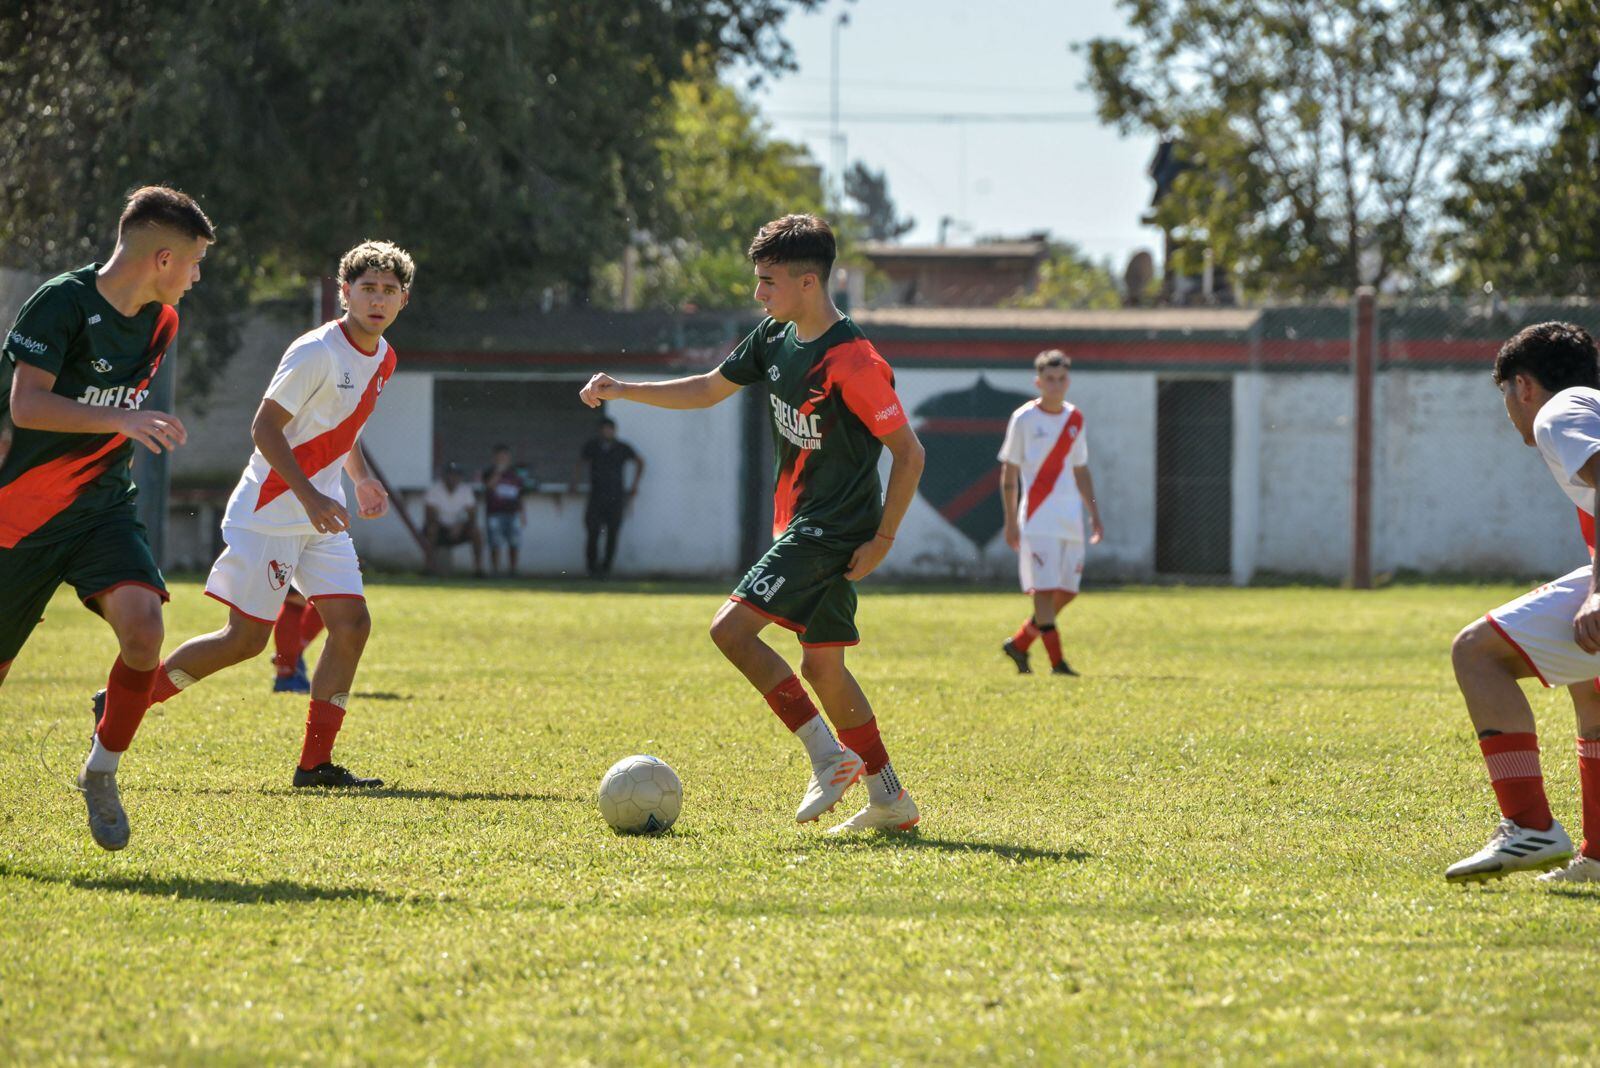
column 1045, row 446
column 329, row 387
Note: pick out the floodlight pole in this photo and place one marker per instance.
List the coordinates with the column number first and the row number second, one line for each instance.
column 835, row 138
column 1363, row 360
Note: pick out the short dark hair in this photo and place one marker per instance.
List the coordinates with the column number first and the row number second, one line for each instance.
column 502, row 447
column 155, row 206
column 1051, row 358
column 606, row 420
column 801, row 243
column 1556, row 355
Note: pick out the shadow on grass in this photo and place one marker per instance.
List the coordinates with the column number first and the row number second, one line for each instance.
column 381, row 793
column 381, row 695
column 191, row 889
column 918, row 840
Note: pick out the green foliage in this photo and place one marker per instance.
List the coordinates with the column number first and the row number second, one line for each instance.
column 510, row 145
column 1321, row 137
column 1070, row 279
column 870, row 189
column 1224, row 844
column 722, row 176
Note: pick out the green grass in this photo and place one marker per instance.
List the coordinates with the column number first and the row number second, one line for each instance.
column 1223, row 843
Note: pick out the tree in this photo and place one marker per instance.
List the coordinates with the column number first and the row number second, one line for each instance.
column 723, row 176
column 1070, row 279
column 1322, row 134
column 1527, row 216
column 510, row 144
column 870, row 189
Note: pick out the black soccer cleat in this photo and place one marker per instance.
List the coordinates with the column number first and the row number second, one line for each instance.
column 1063, row 668
column 1018, row 657
column 99, row 707
column 331, row 774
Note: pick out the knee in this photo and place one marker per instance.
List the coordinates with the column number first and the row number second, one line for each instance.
column 353, row 628
column 247, row 640
column 726, row 631
column 140, row 637
column 818, row 671
column 1477, row 644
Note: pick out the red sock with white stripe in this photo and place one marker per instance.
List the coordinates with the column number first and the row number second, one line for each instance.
column 1025, row 635
column 286, row 643
column 323, row 720
column 794, row 706
column 1589, row 779
column 1513, row 761
column 1052, row 642
column 883, row 785
column 127, row 698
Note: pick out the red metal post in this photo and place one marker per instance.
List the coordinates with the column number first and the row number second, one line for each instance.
column 1363, row 359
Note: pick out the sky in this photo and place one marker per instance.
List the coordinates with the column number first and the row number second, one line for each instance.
column 1078, row 179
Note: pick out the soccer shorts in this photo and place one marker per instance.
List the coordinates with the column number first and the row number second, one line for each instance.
column 1539, row 625
column 253, row 574
column 503, row 529
column 114, row 552
column 1050, row 564
column 799, row 584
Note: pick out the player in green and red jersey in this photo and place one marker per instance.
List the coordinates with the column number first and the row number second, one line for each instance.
column 834, row 410
column 84, row 349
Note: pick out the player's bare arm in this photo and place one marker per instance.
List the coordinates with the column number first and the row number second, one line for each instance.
column 1586, row 624
column 35, row 407
column 1010, row 482
column 697, row 391
column 372, row 500
column 1085, row 482
column 904, row 473
column 266, row 430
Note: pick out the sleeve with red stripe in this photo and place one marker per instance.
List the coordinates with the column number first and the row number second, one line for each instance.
column 868, row 390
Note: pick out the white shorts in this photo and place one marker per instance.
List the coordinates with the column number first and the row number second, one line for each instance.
column 1050, row 564
column 254, row 572
column 1539, row 625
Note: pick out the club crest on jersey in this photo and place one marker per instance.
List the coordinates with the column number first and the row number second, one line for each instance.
column 101, row 365
column 278, row 574
column 799, row 429
column 773, row 372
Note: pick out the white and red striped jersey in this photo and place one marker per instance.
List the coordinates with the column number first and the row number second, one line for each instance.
column 1567, row 432
column 1046, row 446
column 329, row 387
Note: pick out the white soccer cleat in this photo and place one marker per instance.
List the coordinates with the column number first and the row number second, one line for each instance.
column 1582, row 870
column 828, row 784
column 1512, row 848
column 898, row 815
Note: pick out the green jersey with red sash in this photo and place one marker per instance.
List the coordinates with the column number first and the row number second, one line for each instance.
column 53, row 484
column 831, row 400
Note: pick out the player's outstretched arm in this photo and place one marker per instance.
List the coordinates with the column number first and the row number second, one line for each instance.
column 698, row 391
column 266, row 430
column 34, row 406
column 904, row 474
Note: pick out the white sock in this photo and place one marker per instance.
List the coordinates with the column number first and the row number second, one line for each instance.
column 101, row 758
column 884, row 786
column 818, row 739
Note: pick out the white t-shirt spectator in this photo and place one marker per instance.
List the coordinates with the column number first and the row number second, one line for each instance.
column 452, row 506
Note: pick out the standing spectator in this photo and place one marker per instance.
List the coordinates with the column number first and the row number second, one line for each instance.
column 503, row 490
column 608, row 500
column 451, row 511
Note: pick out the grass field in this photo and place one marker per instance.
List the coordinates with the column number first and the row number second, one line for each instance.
column 1224, row 843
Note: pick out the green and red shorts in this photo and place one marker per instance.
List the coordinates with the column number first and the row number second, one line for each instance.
column 799, row 584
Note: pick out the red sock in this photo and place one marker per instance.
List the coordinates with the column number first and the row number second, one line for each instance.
column 127, row 697
column 867, row 745
column 792, row 704
column 1589, row 777
column 310, row 626
column 1052, row 642
column 286, row 637
column 1025, row 635
column 1513, row 761
column 322, row 727
column 163, row 688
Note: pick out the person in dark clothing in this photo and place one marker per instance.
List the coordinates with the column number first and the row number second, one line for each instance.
column 608, row 493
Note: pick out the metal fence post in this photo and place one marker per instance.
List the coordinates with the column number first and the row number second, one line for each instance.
column 1363, row 358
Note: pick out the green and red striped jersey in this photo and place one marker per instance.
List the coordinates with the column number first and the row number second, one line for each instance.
column 52, row 484
column 832, row 399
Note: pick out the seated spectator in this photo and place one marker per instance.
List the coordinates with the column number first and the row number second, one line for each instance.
column 451, row 519
column 503, row 490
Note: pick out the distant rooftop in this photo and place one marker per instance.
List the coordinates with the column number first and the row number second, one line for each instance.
column 1060, row 319
column 995, row 250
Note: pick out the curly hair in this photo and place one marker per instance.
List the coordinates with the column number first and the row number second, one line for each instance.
column 377, row 256
column 1556, row 355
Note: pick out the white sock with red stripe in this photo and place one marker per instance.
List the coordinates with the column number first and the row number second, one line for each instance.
column 818, row 740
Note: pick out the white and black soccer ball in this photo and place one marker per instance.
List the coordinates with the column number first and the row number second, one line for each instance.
column 640, row 795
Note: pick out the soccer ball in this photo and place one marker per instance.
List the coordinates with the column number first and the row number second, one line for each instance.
column 640, row 795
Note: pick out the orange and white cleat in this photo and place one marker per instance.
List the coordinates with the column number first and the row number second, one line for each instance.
column 829, row 781
column 898, row 815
